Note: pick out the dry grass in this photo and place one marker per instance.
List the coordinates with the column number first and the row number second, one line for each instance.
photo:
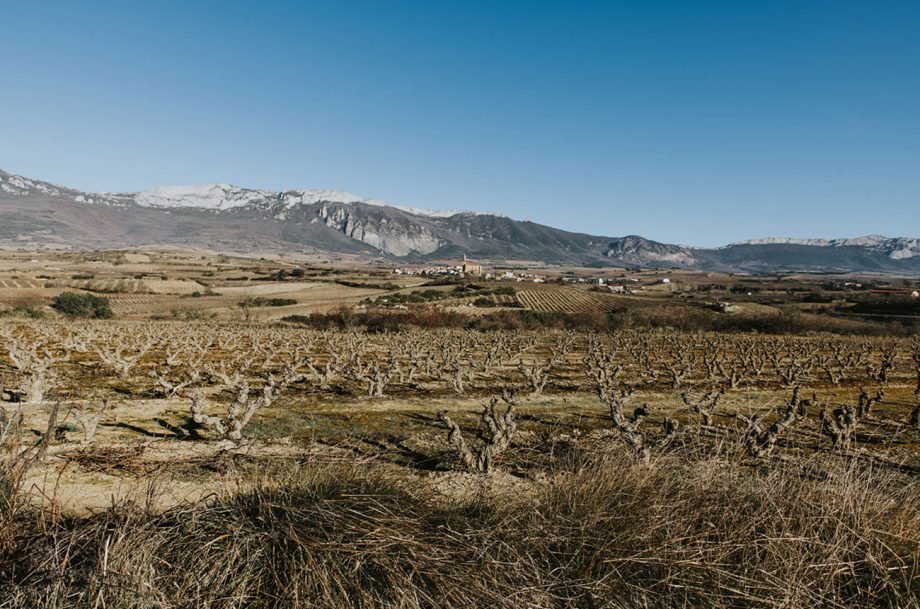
column 337, row 499
column 680, row 532
column 107, row 458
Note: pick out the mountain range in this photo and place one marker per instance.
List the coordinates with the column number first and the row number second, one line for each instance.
column 36, row 214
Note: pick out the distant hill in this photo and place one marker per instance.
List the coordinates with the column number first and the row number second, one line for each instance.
column 229, row 218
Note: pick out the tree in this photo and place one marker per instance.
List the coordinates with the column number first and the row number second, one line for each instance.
column 73, row 304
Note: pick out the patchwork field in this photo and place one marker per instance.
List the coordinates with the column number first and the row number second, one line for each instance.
column 361, row 439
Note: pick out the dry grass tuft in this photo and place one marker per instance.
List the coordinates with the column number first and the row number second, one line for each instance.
column 108, row 458
column 672, row 533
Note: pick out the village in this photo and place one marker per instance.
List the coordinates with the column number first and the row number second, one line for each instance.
column 723, row 289
column 470, row 268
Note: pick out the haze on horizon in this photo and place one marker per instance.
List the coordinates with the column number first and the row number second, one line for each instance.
column 696, row 123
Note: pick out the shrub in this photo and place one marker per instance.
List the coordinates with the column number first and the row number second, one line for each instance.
column 73, row 304
column 687, row 319
column 366, row 285
column 30, row 312
column 279, row 302
column 267, row 302
column 381, row 321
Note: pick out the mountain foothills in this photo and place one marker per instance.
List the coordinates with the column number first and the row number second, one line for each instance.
column 228, row 218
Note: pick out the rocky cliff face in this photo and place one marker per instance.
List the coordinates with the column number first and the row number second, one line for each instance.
column 640, row 251
column 388, row 234
column 897, row 248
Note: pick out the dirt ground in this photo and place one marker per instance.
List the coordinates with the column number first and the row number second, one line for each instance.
column 137, row 451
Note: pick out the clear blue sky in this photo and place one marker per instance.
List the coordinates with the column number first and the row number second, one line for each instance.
column 696, row 122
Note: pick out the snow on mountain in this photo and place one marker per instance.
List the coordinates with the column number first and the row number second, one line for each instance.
column 432, row 213
column 22, row 187
column 897, row 248
column 203, row 196
column 782, row 241
column 226, row 196
column 905, row 248
column 866, row 241
column 215, row 197
column 18, row 185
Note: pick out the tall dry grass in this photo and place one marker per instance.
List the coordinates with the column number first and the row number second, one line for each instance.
column 679, row 532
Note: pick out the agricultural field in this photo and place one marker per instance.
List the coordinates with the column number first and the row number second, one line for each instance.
column 197, row 463
column 183, row 285
column 575, row 300
column 19, row 284
column 568, row 300
column 236, row 432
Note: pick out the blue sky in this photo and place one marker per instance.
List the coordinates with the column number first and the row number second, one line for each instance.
column 697, row 122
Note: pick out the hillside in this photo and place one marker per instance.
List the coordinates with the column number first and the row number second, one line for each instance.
column 222, row 217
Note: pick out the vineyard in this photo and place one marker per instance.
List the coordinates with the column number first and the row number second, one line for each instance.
column 654, row 427
column 20, row 284
column 137, row 286
column 66, row 361
column 573, row 300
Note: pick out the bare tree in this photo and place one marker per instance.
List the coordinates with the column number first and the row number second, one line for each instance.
column 34, row 361
column 241, row 410
column 374, row 375
column 121, row 353
column 10, row 426
column 840, row 425
column 538, row 371
column 879, row 371
column 866, row 402
column 171, row 388
column 500, row 427
column 914, row 418
column 90, row 420
column 760, row 442
column 705, row 404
